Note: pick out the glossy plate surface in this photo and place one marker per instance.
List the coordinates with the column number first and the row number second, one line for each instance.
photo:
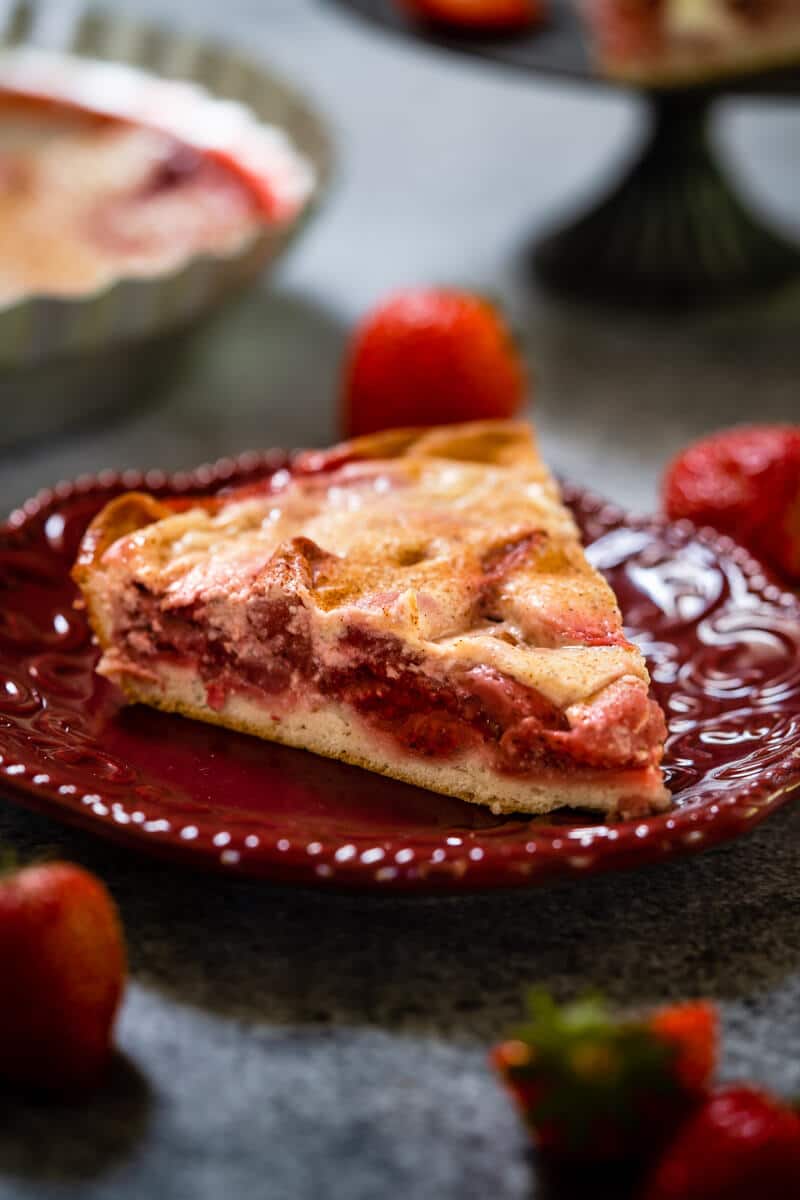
column 723, row 644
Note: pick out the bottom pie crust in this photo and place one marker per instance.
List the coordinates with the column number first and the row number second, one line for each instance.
column 337, row 731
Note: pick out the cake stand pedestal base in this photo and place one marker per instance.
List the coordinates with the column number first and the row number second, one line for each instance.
column 673, row 233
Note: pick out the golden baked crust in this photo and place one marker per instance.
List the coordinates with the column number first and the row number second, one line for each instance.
column 451, row 542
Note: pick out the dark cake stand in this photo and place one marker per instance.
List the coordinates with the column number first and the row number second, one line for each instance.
column 672, row 232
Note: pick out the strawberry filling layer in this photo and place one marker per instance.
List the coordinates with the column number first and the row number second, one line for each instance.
column 475, row 709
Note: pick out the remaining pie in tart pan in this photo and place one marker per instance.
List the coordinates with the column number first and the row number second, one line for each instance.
column 144, row 177
column 107, row 172
column 416, row 602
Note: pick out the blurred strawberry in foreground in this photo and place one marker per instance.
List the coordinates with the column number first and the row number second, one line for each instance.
column 741, row 1144
column 430, row 356
column 499, row 16
column 596, row 1088
column 63, row 952
column 745, row 482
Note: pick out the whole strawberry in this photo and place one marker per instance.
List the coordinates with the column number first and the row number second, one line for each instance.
column 744, row 482
column 63, row 952
column 595, row 1088
column 430, row 357
column 477, row 15
column 741, row 1144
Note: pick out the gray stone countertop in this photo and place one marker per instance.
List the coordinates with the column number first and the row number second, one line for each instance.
column 288, row 1045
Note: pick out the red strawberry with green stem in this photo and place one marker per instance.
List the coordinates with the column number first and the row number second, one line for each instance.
column 593, row 1087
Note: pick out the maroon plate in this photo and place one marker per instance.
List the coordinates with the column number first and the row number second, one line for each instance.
column 723, row 644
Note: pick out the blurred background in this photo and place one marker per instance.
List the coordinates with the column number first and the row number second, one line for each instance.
column 287, row 1043
column 449, row 170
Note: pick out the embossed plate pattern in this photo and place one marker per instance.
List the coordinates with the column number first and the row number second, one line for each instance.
column 723, row 643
